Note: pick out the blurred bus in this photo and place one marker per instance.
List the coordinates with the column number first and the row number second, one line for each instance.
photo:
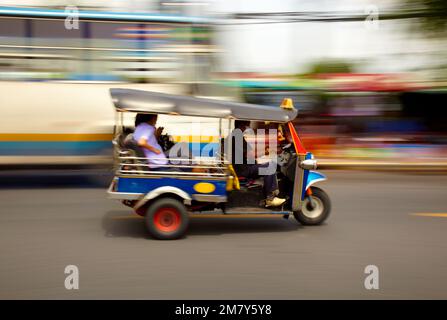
column 56, row 68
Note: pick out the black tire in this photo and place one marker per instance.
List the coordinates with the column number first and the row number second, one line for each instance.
column 307, row 217
column 166, row 219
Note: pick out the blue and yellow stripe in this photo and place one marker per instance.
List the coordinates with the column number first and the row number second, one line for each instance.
column 82, row 143
column 54, row 144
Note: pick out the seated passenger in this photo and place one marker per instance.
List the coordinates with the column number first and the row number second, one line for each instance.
column 240, row 153
column 146, row 136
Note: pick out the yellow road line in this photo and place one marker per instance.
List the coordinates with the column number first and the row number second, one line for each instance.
column 423, row 214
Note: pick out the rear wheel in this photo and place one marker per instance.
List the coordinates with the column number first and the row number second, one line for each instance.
column 167, row 219
column 315, row 208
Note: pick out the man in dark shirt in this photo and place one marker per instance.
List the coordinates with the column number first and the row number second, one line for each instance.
column 244, row 163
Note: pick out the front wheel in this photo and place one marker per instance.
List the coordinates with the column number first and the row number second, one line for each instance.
column 167, row 219
column 315, row 212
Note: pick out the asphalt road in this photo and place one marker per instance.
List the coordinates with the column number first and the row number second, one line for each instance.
column 42, row 230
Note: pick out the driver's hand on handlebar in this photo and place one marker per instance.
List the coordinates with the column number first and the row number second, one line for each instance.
column 159, row 131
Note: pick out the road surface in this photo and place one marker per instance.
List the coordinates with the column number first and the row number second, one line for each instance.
column 373, row 222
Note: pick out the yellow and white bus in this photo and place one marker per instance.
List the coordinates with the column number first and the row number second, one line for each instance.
column 55, row 81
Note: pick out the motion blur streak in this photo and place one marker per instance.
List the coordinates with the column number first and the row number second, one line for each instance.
column 369, row 85
column 369, row 79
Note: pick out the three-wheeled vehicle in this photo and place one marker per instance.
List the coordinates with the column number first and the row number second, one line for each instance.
column 166, row 198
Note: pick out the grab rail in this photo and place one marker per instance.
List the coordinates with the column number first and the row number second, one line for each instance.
column 212, row 167
column 197, row 159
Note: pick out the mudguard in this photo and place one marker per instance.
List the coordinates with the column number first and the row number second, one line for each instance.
column 159, row 191
column 314, row 177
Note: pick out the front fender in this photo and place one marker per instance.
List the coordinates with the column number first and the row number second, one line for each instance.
column 314, row 177
column 162, row 190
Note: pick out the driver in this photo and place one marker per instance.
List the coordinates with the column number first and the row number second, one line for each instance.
column 240, row 153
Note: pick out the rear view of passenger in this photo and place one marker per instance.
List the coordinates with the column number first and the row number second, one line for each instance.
column 146, row 135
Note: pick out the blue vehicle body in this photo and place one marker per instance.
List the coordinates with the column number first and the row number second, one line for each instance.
column 188, row 185
column 311, row 177
column 314, row 177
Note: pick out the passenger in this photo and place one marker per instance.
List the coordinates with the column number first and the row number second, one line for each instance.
column 240, row 155
column 146, row 136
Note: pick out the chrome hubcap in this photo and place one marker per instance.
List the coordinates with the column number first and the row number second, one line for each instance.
column 312, row 210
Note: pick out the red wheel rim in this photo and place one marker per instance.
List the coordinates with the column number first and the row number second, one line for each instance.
column 167, row 219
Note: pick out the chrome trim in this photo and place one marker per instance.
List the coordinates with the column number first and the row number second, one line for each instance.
column 174, row 173
column 121, row 195
column 196, row 159
column 112, row 185
column 209, row 198
column 298, row 184
column 171, row 166
column 309, row 164
column 152, row 176
column 125, row 195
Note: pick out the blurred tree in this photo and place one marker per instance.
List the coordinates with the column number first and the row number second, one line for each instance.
column 431, row 13
column 432, row 18
column 331, row 66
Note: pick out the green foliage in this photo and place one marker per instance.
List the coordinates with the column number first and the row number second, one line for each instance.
column 431, row 13
column 331, row 66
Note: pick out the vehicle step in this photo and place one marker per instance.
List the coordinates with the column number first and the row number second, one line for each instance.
column 255, row 210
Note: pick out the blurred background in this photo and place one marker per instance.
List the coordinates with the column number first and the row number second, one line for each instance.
column 368, row 77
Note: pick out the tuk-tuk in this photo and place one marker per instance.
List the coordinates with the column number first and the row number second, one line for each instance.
column 166, row 198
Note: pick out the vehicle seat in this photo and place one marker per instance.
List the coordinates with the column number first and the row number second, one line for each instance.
column 128, row 143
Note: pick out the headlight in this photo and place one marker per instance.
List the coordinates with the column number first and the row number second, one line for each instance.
column 309, row 164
